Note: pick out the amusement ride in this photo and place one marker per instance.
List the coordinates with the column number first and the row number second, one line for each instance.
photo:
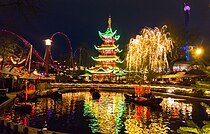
column 31, row 60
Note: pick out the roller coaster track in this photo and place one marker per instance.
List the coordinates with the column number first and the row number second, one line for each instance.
column 27, row 44
column 69, row 47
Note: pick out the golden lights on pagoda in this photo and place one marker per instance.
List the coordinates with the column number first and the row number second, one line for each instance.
column 149, row 50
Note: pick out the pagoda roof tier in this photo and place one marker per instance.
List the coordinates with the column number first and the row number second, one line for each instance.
column 119, row 72
column 107, row 58
column 119, row 51
column 108, row 47
column 103, row 47
column 109, row 34
column 99, row 70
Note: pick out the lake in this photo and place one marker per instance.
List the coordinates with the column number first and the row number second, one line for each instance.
column 77, row 113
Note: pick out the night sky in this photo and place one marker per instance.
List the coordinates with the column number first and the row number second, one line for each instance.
column 81, row 20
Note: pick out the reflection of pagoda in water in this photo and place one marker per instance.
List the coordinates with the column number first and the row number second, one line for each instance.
column 106, row 63
column 105, row 115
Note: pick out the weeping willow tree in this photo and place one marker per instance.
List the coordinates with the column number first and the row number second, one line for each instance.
column 148, row 52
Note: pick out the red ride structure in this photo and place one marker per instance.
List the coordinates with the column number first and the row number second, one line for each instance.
column 71, row 61
column 36, row 56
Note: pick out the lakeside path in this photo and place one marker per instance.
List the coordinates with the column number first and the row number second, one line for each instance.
column 190, row 98
column 114, row 86
column 65, row 87
column 68, row 87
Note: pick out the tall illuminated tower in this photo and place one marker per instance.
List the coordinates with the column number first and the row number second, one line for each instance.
column 106, row 68
column 187, row 46
column 187, row 14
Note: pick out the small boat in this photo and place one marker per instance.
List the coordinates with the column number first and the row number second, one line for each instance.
column 45, row 94
column 56, row 95
column 153, row 102
column 49, row 94
column 129, row 96
column 92, row 90
column 23, row 107
column 95, row 93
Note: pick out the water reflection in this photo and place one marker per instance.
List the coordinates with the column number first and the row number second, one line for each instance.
column 77, row 112
column 105, row 115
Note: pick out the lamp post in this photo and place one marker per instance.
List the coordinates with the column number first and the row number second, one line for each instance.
column 48, row 43
column 198, row 53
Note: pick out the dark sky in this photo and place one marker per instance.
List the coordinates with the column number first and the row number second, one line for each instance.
column 80, row 20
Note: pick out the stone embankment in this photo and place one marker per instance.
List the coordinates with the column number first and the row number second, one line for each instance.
column 21, row 129
column 111, row 87
column 96, row 85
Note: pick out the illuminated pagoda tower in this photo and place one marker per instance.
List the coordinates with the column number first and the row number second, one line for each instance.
column 106, row 68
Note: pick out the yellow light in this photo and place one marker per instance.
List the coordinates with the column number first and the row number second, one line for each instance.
column 17, row 62
column 198, row 51
column 48, row 42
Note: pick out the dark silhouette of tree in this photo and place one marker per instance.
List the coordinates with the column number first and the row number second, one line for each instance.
column 7, row 49
column 181, row 38
column 195, row 128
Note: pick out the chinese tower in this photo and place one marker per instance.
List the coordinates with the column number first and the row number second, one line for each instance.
column 106, row 68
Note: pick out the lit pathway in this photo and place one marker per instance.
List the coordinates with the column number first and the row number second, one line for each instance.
column 130, row 88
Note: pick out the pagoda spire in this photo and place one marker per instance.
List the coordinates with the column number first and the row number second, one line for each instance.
column 109, row 22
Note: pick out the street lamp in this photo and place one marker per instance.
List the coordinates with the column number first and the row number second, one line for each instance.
column 198, row 51
column 48, row 43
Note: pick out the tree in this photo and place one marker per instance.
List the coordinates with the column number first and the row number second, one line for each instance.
column 181, row 38
column 7, row 49
column 193, row 128
column 147, row 53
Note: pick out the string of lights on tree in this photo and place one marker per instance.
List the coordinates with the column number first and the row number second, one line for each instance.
column 149, row 50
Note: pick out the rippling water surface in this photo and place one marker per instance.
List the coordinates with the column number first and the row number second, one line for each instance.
column 78, row 113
